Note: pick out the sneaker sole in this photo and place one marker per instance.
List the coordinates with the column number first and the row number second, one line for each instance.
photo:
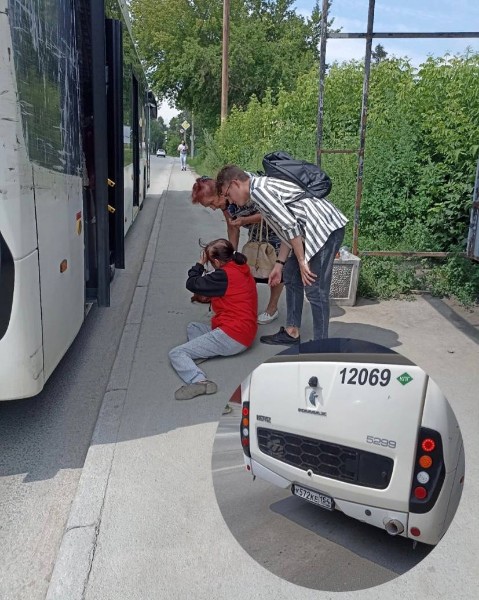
column 268, row 321
column 209, row 388
column 277, row 343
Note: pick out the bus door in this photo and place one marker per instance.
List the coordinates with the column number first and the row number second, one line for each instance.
column 135, row 131
column 114, row 99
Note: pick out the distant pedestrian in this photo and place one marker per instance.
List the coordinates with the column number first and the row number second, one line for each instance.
column 312, row 228
column 234, row 302
column 204, row 193
column 183, row 150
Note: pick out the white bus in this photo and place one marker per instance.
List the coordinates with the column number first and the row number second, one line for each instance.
column 71, row 183
column 355, row 427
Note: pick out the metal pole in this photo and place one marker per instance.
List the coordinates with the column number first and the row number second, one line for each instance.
column 364, row 116
column 322, row 69
column 192, row 136
column 224, row 69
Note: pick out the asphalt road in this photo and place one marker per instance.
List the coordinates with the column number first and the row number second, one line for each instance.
column 44, row 440
column 296, row 540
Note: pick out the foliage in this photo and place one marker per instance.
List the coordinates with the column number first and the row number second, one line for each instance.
column 379, row 53
column 181, row 43
column 157, row 134
column 419, row 168
column 386, row 278
column 447, row 105
column 456, row 277
column 174, row 137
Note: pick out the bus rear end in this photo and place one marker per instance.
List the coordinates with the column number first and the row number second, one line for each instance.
column 346, row 430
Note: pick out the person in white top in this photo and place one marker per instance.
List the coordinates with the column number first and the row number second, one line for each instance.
column 183, row 150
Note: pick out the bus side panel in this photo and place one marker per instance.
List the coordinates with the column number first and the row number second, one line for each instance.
column 439, row 416
column 59, row 202
column 17, row 210
column 21, row 357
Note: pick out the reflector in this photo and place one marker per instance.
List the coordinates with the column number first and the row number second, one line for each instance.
column 420, row 493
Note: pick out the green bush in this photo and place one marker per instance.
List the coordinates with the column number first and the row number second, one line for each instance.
column 419, row 168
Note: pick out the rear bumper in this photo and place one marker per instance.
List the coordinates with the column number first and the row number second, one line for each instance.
column 392, row 521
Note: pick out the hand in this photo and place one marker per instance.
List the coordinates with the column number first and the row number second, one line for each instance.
column 275, row 275
column 307, row 275
column 203, row 259
column 238, row 222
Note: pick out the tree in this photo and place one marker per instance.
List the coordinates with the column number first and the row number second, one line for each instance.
column 157, row 134
column 174, row 133
column 378, row 54
column 180, row 41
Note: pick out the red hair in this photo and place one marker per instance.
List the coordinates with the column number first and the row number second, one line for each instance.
column 203, row 188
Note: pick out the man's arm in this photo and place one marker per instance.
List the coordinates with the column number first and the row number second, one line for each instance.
column 232, row 232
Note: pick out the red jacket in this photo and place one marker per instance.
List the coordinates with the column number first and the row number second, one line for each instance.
column 234, row 299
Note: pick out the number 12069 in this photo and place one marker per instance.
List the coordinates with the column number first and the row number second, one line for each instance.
column 373, row 377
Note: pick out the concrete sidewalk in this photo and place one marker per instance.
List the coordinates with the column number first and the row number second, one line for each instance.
column 145, row 523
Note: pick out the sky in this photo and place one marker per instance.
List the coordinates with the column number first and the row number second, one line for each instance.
column 393, row 16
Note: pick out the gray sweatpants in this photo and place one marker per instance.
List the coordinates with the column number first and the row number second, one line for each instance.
column 203, row 342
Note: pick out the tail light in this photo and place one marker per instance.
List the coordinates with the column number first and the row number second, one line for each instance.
column 429, row 471
column 244, row 428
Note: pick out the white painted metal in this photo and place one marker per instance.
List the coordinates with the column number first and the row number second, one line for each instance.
column 59, row 201
column 48, row 306
column 21, row 356
column 21, row 350
column 17, row 210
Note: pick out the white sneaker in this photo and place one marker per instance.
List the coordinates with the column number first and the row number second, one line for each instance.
column 264, row 318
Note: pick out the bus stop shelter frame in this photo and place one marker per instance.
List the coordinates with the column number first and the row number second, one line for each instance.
column 473, row 242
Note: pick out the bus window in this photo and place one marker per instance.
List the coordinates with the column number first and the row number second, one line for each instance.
column 6, row 286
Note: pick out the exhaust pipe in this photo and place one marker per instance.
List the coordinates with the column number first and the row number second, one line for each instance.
column 393, row 526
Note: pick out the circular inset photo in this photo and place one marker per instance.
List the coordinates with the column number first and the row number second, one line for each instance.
column 340, row 466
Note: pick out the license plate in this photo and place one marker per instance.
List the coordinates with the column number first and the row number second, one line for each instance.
column 314, row 497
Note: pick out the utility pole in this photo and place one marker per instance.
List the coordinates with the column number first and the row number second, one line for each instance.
column 224, row 69
column 192, row 136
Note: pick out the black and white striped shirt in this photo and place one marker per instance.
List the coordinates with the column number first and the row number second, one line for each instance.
column 313, row 219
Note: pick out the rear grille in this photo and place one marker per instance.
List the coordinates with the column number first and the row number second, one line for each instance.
column 328, row 460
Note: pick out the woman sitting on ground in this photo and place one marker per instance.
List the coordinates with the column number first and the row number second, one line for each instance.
column 234, row 302
column 204, row 193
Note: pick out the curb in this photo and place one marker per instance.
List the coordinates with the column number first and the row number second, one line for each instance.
column 74, row 560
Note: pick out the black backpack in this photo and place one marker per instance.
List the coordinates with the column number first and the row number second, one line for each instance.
column 308, row 176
